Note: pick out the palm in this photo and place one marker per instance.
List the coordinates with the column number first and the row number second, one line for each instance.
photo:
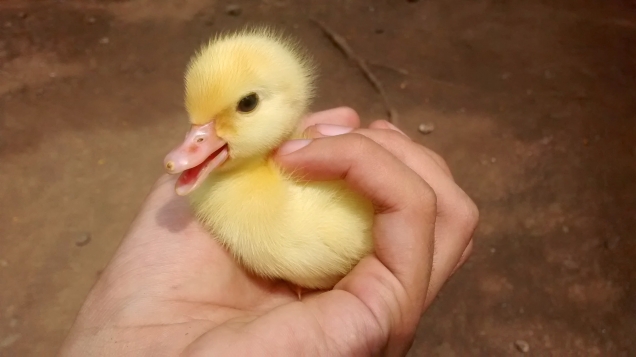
column 183, row 283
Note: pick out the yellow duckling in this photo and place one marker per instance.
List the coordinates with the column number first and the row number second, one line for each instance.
column 246, row 93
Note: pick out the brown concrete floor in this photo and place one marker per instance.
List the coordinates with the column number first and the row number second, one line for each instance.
column 534, row 107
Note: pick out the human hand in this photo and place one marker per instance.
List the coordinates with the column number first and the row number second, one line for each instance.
column 170, row 289
column 457, row 214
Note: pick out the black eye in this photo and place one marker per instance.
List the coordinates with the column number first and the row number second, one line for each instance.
column 248, row 103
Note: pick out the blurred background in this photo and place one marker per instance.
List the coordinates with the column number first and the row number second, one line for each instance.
column 533, row 105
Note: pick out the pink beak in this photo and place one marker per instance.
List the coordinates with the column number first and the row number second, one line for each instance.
column 200, row 153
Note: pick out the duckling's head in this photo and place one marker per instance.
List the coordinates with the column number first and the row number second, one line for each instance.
column 245, row 94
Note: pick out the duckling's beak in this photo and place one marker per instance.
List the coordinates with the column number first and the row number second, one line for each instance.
column 200, row 153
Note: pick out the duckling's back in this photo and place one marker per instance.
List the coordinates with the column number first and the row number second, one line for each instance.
column 310, row 234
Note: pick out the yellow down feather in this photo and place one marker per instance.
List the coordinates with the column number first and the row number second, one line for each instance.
column 308, row 233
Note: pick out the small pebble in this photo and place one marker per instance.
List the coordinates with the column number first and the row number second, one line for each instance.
column 379, row 31
column 403, row 85
column 565, row 229
column 426, row 128
column 13, row 323
column 505, row 76
column 3, row 263
column 23, row 15
column 52, row 74
column 493, row 159
column 233, row 10
column 91, row 20
column 104, row 40
column 493, row 250
column 522, row 346
column 83, row 239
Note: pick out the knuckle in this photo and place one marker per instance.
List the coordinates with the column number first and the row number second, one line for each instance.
column 443, row 163
column 424, row 200
column 395, row 136
column 380, row 124
column 439, row 159
column 468, row 215
column 360, row 143
column 393, row 141
column 469, row 251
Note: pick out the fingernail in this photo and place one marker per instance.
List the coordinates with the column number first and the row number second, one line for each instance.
column 291, row 146
column 332, row 130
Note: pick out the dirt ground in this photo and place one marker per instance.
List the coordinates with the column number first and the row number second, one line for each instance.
column 533, row 104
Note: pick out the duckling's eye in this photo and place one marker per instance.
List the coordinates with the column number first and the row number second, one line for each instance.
column 248, row 103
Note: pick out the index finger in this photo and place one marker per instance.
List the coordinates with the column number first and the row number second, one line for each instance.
column 343, row 116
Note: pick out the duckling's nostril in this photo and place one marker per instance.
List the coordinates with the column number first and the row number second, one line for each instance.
column 170, row 165
column 200, row 139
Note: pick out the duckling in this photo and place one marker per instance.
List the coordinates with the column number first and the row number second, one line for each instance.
column 245, row 94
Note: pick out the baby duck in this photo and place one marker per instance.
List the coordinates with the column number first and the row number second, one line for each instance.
column 245, row 94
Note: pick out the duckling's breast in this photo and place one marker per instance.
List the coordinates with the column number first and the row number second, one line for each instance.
column 311, row 234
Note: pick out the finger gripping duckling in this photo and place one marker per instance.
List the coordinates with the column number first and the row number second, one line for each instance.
column 245, row 94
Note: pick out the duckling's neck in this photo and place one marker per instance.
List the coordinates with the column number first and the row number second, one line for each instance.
column 259, row 172
column 257, row 180
column 240, row 168
column 259, row 175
